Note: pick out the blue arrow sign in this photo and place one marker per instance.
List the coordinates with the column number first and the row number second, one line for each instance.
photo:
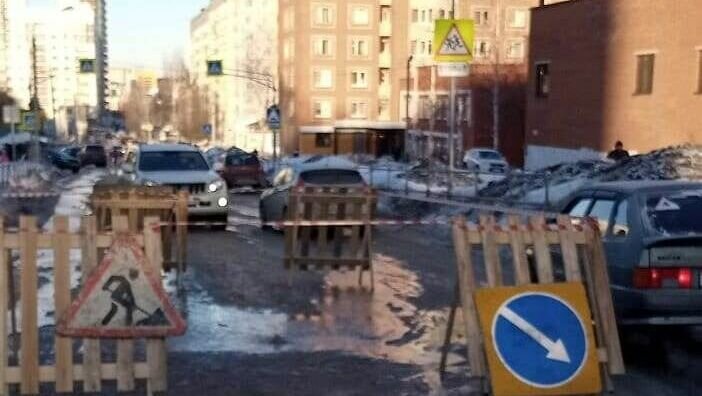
column 540, row 339
column 207, row 129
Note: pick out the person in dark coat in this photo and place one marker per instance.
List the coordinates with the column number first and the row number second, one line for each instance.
column 618, row 154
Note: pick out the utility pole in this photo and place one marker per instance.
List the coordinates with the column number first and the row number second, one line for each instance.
column 496, row 83
column 34, row 106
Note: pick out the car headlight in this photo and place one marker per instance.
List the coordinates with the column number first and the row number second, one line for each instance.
column 215, row 186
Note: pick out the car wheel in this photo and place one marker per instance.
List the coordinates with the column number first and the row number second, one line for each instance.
column 220, row 222
column 264, row 219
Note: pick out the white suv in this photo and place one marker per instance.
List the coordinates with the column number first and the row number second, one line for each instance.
column 185, row 168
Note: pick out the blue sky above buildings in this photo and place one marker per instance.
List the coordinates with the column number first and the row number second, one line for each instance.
column 144, row 33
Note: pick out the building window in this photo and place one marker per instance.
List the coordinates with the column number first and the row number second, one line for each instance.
column 699, row 71
column 543, row 80
column 360, row 16
column 424, row 15
column 359, row 110
column 323, row 78
column 323, row 15
column 431, row 15
column 429, row 48
column 359, row 47
column 384, row 45
column 424, row 107
column 482, row 48
column 442, row 14
column 442, row 107
column 322, row 140
column 322, row 109
column 415, row 15
column 481, row 17
column 359, row 79
column 423, row 48
column 413, row 47
column 517, row 18
column 515, row 49
column 322, row 47
column 384, row 109
column 644, row 73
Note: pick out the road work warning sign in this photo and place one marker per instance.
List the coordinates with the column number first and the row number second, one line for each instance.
column 123, row 298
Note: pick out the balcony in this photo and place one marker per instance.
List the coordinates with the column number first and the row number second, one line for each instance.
column 385, row 2
column 385, row 60
column 385, row 28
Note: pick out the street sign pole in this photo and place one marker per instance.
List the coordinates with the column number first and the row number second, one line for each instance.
column 452, row 133
column 275, row 148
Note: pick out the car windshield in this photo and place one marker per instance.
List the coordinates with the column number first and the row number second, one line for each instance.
column 332, row 176
column 675, row 213
column 489, row 155
column 158, row 161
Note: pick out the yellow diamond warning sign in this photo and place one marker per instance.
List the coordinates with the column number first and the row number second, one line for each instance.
column 455, row 38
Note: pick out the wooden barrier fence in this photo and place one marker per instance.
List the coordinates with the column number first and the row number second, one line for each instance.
column 137, row 203
column 329, row 246
column 583, row 260
column 65, row 372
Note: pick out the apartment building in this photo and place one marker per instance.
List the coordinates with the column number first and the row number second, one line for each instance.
column 341, row 64
column 66, row 94
column 15, row 66
column 622, row 70
column 242, row 34
column 494, row 91
column 101, row 54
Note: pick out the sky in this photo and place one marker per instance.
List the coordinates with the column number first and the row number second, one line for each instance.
column 143, row 33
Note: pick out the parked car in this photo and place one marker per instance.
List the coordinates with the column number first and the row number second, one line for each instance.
column 652, row 236
column 485, row 160
column 314, row 172
column 243, row 170
column 184, row 168
column 93, row 154
column 66, row 158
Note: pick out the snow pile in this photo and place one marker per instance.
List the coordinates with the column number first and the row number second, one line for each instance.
column 672, row 163
column 30, row 179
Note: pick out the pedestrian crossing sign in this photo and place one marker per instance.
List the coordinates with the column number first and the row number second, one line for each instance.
column 455, row 38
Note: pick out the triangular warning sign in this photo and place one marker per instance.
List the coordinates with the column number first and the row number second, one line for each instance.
column 123, row 298
column 666, row 205
column 454, row 44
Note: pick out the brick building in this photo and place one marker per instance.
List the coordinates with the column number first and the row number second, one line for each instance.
column 608, row 70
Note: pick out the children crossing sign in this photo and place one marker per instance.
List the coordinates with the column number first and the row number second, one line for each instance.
column 455, row 39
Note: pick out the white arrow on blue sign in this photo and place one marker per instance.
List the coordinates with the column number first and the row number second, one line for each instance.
column 540, row 339
column 207, row 129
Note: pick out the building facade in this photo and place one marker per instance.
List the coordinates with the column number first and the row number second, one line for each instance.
column 67, row 95
column 101, row 55
column 15, row 67
column 339, row 75
column 242, row 35
column 623, row 70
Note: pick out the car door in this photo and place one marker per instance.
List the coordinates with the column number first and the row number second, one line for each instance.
column 229, row 170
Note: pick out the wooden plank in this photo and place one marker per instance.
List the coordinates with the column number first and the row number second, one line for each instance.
column 29, row 352
column 62, row 298
column 48, row 373
column 357, row 249
column 322, row 242
column 467, row 285
column 125, row 348
column 569, row 250
column 542, row 253
column 181, row 217
column 4, row 285
column 519, row 256
column 155, row 348
column 46, row 241
column 368, row 239
column 92, row 380
column 491, row 256
column 598, row 279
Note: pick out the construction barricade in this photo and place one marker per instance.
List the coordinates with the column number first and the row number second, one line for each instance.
column 329, row 228
column 137, row 203
column 25, row 368
column 535, row 324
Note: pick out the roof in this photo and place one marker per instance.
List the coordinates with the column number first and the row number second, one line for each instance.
column 642, row 186
column 167, row 147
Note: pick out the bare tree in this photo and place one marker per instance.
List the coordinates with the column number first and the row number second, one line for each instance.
column 135, row 110
column 190, row 103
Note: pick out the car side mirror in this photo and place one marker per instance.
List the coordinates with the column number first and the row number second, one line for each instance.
column 128, row 168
